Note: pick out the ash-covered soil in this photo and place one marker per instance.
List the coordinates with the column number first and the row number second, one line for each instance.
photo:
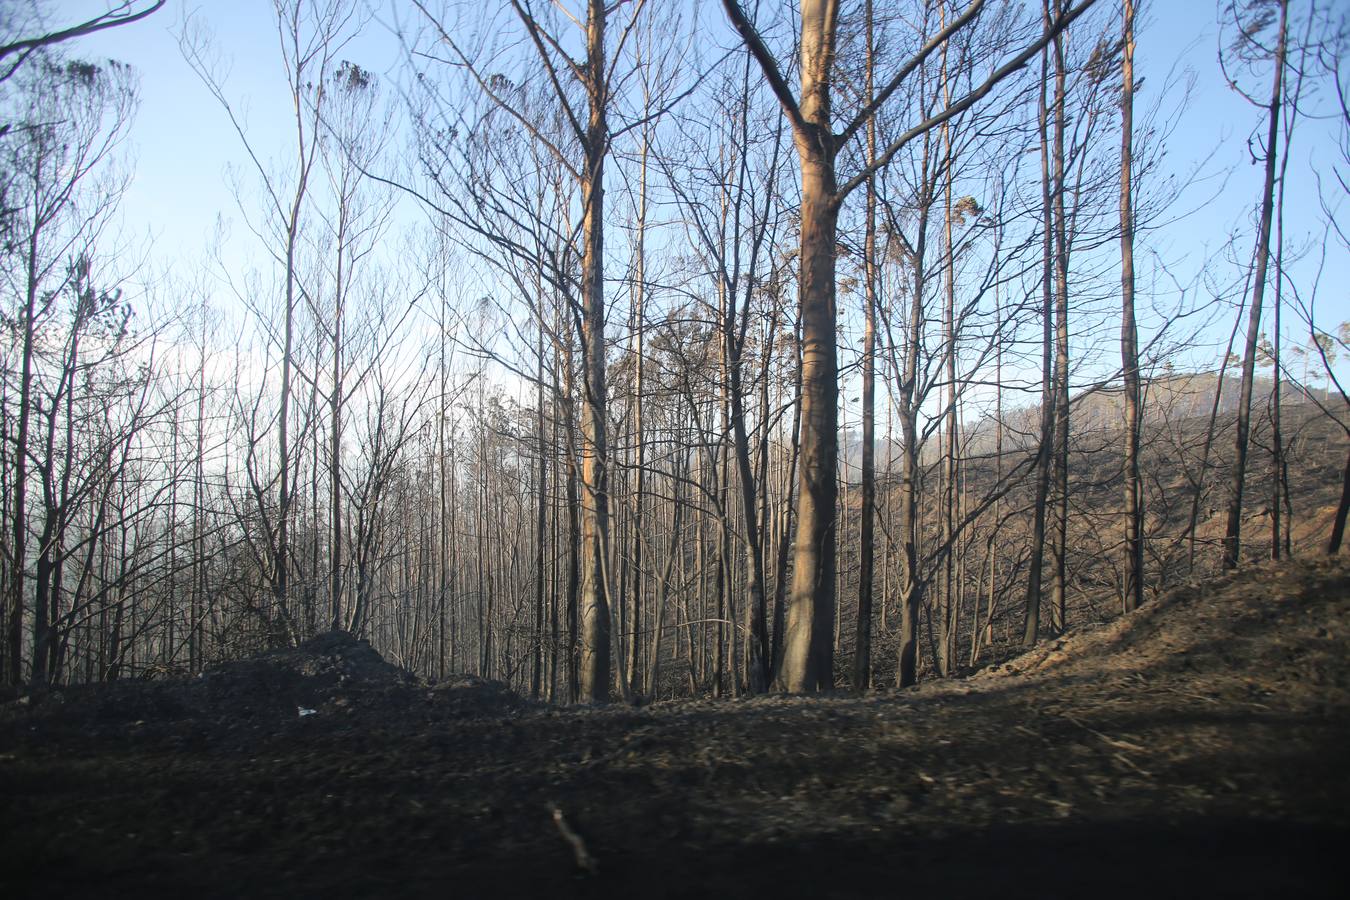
column 1200, row 747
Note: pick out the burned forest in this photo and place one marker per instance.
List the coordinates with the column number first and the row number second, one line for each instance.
column 674, row 448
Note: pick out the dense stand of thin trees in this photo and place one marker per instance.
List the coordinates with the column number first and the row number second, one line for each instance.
column 625, row 350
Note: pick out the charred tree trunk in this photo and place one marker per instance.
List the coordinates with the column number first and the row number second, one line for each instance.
column 862, row 654
column 1342, row 509
column 1129, row 339
column 1045, row 447
column 1232, row 542
column 1060, row 539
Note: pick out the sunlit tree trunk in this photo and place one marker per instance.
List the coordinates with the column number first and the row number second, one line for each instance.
column 594, row 593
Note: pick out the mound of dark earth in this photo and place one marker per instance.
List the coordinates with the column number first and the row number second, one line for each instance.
column 1194, row 748
column 332, row 683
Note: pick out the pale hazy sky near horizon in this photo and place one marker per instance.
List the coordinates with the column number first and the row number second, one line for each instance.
column 183, row 142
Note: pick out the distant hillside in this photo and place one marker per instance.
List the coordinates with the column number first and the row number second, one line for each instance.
column 1173, row 398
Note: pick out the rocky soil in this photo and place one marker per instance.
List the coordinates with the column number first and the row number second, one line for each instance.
column 1195, row 748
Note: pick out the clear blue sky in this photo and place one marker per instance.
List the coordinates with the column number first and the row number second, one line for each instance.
column 183, row 142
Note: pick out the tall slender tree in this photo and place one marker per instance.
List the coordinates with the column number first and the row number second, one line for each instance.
column 1232, row 541
column 1133, row 594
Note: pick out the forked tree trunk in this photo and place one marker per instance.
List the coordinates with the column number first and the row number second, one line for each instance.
column 808, row 649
